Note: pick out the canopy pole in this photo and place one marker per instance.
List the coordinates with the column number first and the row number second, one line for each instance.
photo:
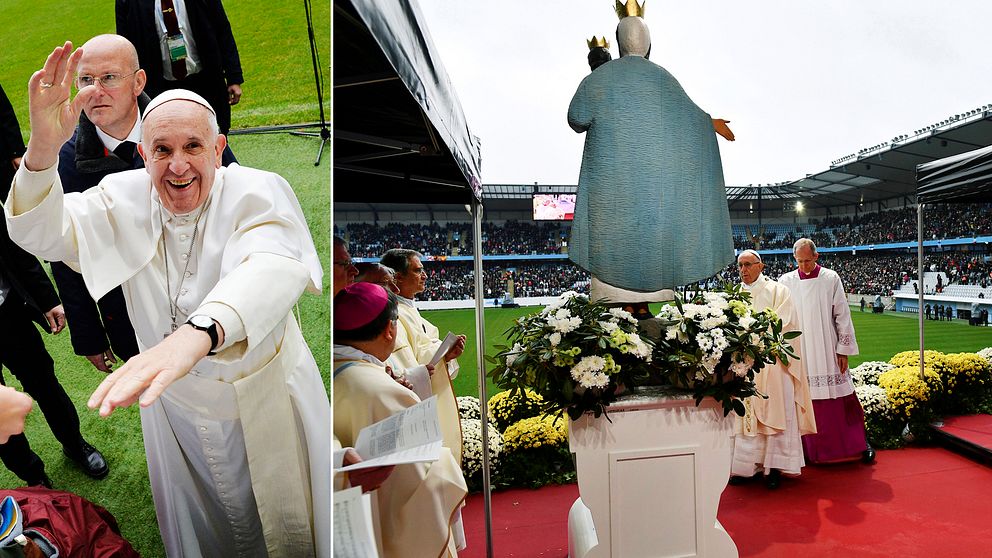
column 480, row 343
column 919, row 276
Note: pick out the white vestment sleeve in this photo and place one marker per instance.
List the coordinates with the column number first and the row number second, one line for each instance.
column 847, row 344
column 262, row 291
column 32, row 210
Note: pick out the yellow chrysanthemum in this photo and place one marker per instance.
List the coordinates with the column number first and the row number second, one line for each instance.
column 536, row 432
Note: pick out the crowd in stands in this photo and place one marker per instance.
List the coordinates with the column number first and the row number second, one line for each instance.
column 454, row 280
column 511, row 237
column 863, row 273
column 371, row 241
column 942, row 221
column 546, row 237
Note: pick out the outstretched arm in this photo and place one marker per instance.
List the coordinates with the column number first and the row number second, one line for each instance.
column 720, row 127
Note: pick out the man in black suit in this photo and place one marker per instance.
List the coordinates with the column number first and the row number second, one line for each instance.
column 187, row 44
column 26, row 295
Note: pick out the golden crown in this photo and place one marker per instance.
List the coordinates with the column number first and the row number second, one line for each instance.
column 594, row 42
column 631, row 8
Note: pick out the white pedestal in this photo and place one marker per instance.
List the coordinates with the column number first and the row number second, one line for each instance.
column 650, row 481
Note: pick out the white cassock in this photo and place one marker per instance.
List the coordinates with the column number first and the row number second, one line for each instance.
column 416, row 342
column 238, row 449
column 414, row 509
column 769, row 434
column 825, row 319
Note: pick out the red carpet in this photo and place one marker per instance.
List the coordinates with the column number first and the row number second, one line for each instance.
column 976, row 429
column 913, row 502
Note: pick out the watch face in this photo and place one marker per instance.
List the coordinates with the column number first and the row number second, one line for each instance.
column 201, row 320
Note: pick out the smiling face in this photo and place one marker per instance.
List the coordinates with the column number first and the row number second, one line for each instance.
column 182, row 152
column 112, row 110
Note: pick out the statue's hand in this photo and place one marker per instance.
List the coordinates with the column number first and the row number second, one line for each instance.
column 720, row 126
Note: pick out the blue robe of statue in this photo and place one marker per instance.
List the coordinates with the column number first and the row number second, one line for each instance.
column 652, row 208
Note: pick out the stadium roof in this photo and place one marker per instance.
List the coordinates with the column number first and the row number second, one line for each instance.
column 882, row 172
column 960, row 178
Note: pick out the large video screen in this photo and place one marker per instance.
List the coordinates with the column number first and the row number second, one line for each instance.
column 554, row 207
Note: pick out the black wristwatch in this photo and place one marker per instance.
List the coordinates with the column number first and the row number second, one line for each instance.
column 205, row 323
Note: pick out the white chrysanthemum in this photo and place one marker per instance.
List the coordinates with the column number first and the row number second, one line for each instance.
column 986, row 353
column 567, row 325
column 621, row 314
column 717, row 300
column 472, row 445
column 640, row 348
column 874, row 399
column 563, row 314
column 693, row 311
column 714, row 321
column 704, row 341
column 867, row 373
column 592, row 363
column 746, row 322
column 608, row 327
column 668, row 312
column 555, row 339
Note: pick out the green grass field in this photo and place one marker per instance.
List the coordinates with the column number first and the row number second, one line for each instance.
column 272, row 41
column 879, row 337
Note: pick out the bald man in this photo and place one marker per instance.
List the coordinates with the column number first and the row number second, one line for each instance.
column 235, row 415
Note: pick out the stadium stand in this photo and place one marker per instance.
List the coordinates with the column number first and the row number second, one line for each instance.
column 966, row 273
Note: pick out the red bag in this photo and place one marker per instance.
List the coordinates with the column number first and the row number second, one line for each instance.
column 76, row 527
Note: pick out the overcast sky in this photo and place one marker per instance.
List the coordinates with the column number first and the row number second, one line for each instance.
column 802, row 82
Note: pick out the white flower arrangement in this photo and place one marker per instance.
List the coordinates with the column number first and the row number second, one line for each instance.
column 574, row 353
column 867, row 373
column 874, row 400
column 468, row 407
column 986, row 353
column 472, row 446
column 715, row 342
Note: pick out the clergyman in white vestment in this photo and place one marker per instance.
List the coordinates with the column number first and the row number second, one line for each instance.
column 827, row 341
column 767, row 437
column 235, row 416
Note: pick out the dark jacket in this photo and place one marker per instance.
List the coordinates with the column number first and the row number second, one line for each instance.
column 215, row 46
column 29, row 284
column 211, row 32
column 11, row 142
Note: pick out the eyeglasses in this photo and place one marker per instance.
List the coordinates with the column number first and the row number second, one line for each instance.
column 108, row 81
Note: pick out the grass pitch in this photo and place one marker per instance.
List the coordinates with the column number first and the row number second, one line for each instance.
column 879, row 337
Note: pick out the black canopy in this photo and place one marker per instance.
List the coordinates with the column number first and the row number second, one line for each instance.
column 960, row 178
column 399, row 131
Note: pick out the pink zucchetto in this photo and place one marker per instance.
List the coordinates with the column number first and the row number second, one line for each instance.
column 358, row 304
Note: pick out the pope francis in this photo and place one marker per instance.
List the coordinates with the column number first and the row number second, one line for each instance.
column 235, row 416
